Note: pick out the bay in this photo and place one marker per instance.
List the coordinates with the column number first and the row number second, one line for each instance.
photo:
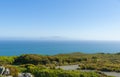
column 10, row 48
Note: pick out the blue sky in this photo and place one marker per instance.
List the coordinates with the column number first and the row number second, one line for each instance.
column 60, row 19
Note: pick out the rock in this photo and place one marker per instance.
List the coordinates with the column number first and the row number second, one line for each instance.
column 7, row 71
column 2, row 69
column 25, row 75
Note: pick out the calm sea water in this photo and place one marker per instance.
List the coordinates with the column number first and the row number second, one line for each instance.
column 9, row 48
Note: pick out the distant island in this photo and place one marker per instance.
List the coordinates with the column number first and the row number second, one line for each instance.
column 45, row 65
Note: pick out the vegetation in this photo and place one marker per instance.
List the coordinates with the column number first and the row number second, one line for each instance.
column 100, row 61
column 42, row 71
column 44, row 65
column 6, row 60
column 14, row 70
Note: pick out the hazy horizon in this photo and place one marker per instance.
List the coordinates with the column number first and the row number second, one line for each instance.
column 60, row 20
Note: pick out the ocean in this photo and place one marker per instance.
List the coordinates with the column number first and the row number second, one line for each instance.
column 12, row 48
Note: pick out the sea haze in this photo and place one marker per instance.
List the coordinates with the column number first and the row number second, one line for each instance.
column 9, row 48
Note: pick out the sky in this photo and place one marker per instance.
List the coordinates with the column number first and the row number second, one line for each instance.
column 60, row 19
